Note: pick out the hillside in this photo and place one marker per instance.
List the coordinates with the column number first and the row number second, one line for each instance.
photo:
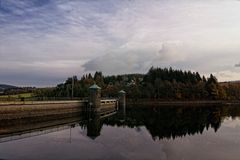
column 229, row 82
column 4, row 87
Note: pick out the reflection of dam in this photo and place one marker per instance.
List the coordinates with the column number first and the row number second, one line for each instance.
column 32, row 133
column 24, row 128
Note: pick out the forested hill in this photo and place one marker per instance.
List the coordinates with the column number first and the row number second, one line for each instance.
column 157, row 83
column 4, row 87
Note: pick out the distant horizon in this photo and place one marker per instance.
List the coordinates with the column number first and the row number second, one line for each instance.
column 45, row 41
column 64, row 79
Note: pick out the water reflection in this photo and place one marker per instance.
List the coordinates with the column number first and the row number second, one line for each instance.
column 167, row 133
column 94, row 126
column 23, row 128
column 171, row 122
column 161, row 122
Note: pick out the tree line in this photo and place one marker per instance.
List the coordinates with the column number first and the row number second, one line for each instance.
column 157, row 83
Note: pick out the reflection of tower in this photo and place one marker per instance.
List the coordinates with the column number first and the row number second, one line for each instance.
column 94, row 126
column 122, row 102
column 70, row 132
column 70, row 135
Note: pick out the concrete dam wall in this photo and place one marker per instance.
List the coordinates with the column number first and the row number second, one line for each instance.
column 94, row 105
column 19, row 111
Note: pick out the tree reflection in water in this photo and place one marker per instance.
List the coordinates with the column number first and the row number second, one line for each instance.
column 172, row 122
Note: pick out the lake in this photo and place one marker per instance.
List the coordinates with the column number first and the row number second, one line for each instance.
column 167, row 133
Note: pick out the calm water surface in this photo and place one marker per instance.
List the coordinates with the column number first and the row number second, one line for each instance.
column 168, row 133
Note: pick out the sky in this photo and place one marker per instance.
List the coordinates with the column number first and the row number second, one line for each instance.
column 42, row 42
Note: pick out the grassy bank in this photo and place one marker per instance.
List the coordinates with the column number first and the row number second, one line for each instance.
column 16, row 97
column 22, row 95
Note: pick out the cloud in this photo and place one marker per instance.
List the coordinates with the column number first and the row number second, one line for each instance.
column 73, row 37
column 237, row 65
column 227, row 75
column 38, row 73
column 136, row 57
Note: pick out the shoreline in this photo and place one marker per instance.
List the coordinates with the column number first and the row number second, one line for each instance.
column 128, row 102
column 182, row 103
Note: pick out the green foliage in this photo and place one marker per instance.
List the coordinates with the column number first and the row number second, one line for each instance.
column 232, row 90
column 158, row 83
